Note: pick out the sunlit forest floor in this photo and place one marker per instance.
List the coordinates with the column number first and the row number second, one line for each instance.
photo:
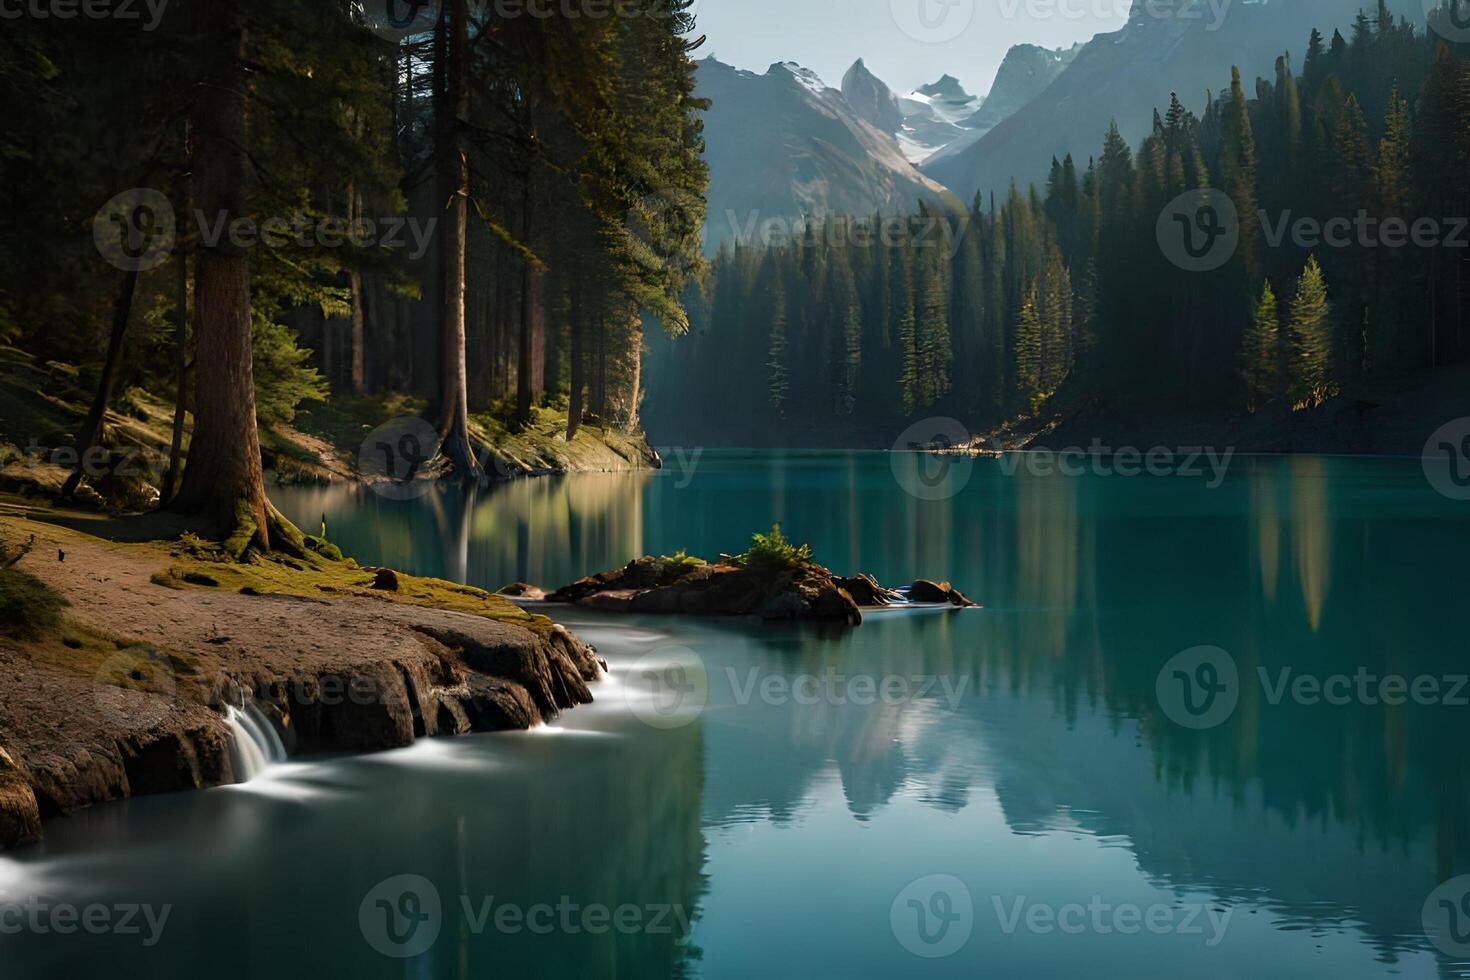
column 42, row 405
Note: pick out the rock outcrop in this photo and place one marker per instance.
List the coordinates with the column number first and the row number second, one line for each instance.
column 86, row 718
column 84, row 742
column 801, row 590
column 798, row 590
column 20, row 817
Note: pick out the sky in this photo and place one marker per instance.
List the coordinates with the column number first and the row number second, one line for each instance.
column 904, row 42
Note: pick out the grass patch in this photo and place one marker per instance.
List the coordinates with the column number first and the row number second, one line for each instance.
column 109, row 660
column 29, row 607
column 319, row 576
column 680, row 561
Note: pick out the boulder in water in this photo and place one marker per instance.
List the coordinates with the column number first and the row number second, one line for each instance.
column 925, row 590
column 523, row 590
column 866, row 591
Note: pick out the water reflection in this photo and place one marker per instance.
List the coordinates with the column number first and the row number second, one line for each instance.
column 1037, row 762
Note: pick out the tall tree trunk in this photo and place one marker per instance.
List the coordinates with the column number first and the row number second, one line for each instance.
column 328, row 328
column 578, row 382
column 223, row 482
column 181, row 333
column 599, row 382
column 635, row 374
column 90, row 434
column 454, row 177
column 530, row 376
column 442, row 188
column 530, row 373
column 181, row 372
column 358, row 370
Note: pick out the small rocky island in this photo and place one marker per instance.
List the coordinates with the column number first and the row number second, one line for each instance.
column 774, row 581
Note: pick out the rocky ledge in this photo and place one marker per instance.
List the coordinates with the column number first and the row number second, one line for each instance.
column 738, row 586
column 131, row 696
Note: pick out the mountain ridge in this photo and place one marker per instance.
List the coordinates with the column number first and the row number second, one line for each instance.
column 784, row 144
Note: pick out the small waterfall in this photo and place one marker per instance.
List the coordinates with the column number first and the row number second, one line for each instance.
column 254, row 743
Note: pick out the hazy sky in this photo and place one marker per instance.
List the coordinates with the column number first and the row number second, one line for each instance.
column 905, row 42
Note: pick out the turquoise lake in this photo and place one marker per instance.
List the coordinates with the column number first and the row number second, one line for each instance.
column 1027, row 789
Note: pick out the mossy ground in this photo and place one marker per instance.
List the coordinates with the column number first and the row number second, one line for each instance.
column 42, row 406
column 65, row 644
column 541, row 444
column 322, row 574
column 28, row 607
column 120, row 661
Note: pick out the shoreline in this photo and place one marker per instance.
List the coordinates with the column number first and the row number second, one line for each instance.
column 1389, row 425
column 129, row 696
column 42, row 406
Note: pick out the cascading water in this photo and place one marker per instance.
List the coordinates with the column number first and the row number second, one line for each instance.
column 254, row 743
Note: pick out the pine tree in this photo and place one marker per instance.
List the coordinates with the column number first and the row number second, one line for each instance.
column 1261, row 353
column 1389, row 344
column 1309, row 330
column 968, row 304
column 936, row 355
column 1312, row 64
column 1238, row 173
column 1289, row 114
column 1350, row 183
column 1391, row 173
column 849, row 336
column 1055, row 312
column 911, row 377
column 778, row 374
column 1028, row 352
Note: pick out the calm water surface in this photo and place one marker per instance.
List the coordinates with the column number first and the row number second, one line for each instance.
column 978, row 793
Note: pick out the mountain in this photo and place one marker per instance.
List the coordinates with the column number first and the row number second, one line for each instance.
column 1125, row 74
column 1024, row 74
column 947, row 90
column 935, row 116
column 922, row 122
column 784, row 144
column 871, row 99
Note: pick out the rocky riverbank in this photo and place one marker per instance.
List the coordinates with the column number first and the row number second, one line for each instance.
column 128, row 695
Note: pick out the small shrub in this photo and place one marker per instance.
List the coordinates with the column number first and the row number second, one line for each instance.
column 680, row 559
column 28, row 606
column 774, row 551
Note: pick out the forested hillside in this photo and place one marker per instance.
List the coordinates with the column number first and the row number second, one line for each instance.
column 245, row 207
column 1065, row 295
